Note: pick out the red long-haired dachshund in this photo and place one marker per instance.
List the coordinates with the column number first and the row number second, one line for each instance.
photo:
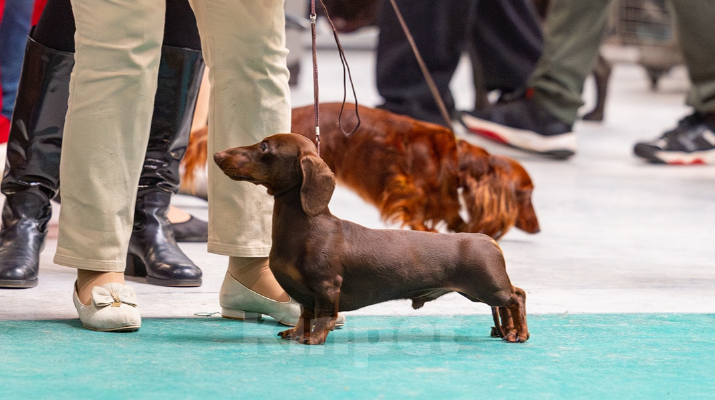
column 414, row 172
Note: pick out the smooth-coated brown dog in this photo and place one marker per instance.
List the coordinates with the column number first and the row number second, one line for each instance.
column 330, row 265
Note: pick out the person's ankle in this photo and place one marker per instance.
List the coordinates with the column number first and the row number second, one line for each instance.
column 255, row 274
column 176, row 215
column 87, row 279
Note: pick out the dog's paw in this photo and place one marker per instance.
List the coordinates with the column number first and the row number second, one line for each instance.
column 515, row 336
column 288, row 334
column 311, row 340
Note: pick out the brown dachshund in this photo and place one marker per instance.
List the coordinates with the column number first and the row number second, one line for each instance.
column 330, row 265
column 412, row 171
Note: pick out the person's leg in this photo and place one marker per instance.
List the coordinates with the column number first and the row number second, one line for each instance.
column 693, row 140
column 507, row 38
column 542, row 121
column 112, row 88
column 153, row 251
column 34, row 154
column 14, row 28
column 31, row 176
column 244, row 49
column 573, row 34
column 56, row 30
column 439, row 31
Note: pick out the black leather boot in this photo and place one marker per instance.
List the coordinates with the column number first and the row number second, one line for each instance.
column 31, row 176
column 153, row 252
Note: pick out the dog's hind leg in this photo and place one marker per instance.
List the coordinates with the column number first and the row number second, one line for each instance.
column 517, row 309
column 302, row 328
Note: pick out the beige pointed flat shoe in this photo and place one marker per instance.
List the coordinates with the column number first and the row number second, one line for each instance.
column 112, row 309
column 240, row 302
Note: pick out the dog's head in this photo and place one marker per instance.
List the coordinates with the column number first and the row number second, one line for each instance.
column 497, row 192
column 282, row 163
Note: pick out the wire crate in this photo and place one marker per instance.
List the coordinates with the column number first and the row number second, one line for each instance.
column 648, row 26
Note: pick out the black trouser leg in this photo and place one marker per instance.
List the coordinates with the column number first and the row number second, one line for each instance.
column 439, row 30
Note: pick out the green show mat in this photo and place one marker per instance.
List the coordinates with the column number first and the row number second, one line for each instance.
column 609, row 356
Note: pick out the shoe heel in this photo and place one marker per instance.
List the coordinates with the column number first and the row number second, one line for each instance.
column 135, row 267
column 238, row 314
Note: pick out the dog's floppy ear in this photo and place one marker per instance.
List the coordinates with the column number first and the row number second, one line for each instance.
column 318, row 185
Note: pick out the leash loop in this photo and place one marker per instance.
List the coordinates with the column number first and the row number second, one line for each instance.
column 346, row 75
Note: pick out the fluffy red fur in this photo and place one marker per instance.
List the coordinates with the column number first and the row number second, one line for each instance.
column 413, row 172
column 194, row 158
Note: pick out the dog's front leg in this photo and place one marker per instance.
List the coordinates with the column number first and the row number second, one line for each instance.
column 326, row 313
column 302, row 328
column 507, row 322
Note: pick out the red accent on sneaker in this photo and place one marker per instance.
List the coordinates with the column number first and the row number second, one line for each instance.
column 697, row 161
column 489, row 135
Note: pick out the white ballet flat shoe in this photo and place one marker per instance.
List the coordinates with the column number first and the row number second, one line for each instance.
column 112, row 308
column 240, row 302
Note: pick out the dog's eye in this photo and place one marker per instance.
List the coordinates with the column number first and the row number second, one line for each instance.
column 263, row 146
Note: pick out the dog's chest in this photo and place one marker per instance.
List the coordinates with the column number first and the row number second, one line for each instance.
column 290, row 278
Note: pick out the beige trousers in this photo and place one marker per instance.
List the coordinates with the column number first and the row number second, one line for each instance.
column 112, row 88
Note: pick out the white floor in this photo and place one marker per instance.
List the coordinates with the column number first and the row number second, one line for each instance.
column 618, row 235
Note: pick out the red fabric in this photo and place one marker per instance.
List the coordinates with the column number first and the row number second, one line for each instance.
column 4, row 123
column 39, row 6
column 4, row 129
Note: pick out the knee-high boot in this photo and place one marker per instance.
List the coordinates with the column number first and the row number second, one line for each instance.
column 31, row 176
column 153, row 252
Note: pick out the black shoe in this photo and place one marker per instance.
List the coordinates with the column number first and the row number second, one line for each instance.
column 192, row 230
column 691, row 142
column 525, row 125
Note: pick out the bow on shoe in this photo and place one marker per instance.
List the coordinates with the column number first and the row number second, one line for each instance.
column 113, row 296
